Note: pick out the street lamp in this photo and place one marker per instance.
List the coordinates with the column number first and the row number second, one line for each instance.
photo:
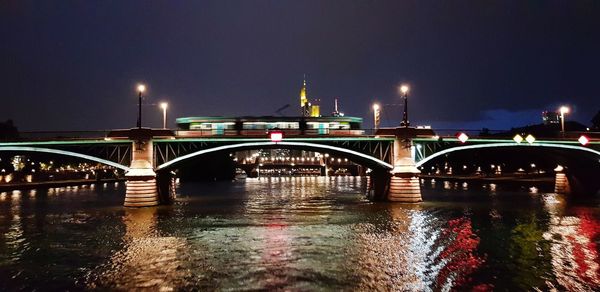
column 563, row 110
column 141, row 88
column 404, row 91
column 376, row 115
column 164, row 106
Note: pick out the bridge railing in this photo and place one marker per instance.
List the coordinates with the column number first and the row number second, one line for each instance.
column 571, row 136
column 57, row 135
column 264, row 132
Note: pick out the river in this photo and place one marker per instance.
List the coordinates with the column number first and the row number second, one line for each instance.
column 299, row 233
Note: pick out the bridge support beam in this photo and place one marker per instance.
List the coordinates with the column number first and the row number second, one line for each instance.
column 561, row 181
column 141, row 178
column 404, row 185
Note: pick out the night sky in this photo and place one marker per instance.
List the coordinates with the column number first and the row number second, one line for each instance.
column 74, row 65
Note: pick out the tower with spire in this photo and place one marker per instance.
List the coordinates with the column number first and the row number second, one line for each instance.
column 304, row 104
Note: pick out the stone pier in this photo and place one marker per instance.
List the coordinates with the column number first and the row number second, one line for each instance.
column 142, row 189
column 404, row 182
column 561, row 182
column 141, row 178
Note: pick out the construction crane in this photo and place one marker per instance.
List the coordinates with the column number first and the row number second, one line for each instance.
column 279, row 111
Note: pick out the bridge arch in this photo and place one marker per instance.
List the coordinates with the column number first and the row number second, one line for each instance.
column 498, row 145
column 370, row 160
column 63, row 152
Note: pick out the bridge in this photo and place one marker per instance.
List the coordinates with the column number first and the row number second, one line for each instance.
column 396, row 156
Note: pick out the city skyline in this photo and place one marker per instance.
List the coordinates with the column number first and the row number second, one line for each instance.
column 469, row 64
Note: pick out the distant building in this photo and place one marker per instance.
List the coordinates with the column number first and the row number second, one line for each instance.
column 336, row 112
column 310, row 122
column 550, row 117
column 307, row 108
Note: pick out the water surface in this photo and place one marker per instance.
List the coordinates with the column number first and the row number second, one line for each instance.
column 299, row 234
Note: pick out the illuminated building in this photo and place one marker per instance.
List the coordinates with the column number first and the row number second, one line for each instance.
column 336, row 112
column 304, row 104
column 550, row 117
column 307, row 108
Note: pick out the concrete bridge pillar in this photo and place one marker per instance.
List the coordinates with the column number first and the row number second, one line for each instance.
column 141, row 178
column 404, row 185
column 561, row 182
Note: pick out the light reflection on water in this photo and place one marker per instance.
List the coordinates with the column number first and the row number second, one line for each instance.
column 299, row 234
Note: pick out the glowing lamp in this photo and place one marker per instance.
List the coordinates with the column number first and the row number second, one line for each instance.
column 141, row 88
column 375, row 107
column 276, row 136
column 463, row 137
column 518, row 138
column 404, row 89
column 583, row 140
column 530, row 139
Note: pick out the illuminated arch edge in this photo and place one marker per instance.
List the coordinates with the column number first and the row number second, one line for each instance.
column 261, row 144
column 494, row 145
column 62, row 152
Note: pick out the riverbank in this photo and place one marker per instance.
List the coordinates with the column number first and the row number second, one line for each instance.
column 54, row 184
column 492, row 179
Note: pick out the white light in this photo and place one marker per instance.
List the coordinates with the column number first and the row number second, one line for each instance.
column 530, row 139
column 375, row 107
column 564, row 110
column 463, row 137
column 141, row 88
column 276, row 136
column 164, row 105
column 404, row 88
column 518, row 138
column 583, row 140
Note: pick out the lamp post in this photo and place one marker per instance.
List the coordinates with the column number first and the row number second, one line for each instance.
column 376, row 116
column 404, row 91
column 164, row 106
column 563, row 110
column 141, row 88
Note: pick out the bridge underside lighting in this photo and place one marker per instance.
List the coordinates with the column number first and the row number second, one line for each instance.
column 498, row 145
column 62, row 152
column 312, row 146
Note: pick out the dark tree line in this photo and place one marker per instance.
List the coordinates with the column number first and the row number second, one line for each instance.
column 596, row 121
column 8, row 130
